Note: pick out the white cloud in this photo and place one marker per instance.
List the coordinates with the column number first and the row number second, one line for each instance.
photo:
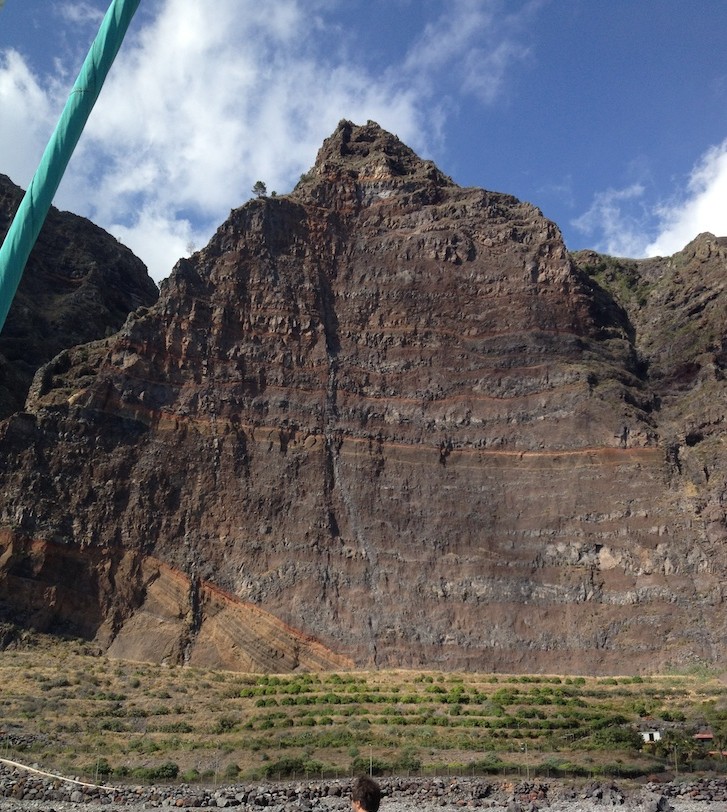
column 620, row 233
column 463, row 22
column 206, row 98
column 157, row 237
column 622, row 223
column 702, row 208
column 26, row 108
column 79, row 12
column 473, row 42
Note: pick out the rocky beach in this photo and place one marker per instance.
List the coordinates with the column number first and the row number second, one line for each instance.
column 23, row 789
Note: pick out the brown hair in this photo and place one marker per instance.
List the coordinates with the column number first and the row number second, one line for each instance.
column 367, row 793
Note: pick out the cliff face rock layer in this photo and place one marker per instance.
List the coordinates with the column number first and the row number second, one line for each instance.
column 402, row 419
column 79, row 285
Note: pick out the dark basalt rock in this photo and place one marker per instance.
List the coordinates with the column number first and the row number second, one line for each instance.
column 79, row 285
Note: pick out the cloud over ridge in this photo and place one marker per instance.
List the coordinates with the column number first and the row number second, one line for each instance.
column 207, row 98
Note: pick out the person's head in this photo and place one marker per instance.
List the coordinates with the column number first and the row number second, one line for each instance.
column 365, row 795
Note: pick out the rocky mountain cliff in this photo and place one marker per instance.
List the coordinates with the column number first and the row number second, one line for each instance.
column 385, row 421
column 79, row 285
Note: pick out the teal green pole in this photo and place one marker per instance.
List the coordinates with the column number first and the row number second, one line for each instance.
column 33, row 209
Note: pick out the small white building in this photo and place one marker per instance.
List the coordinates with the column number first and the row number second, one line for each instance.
column 651, row 736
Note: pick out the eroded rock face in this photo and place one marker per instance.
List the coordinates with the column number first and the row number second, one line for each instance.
column 397, row 415
column 79, row 285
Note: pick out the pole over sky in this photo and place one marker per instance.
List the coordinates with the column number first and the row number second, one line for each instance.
column 34, row 207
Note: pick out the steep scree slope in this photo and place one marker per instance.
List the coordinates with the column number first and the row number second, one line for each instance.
column 393, row 413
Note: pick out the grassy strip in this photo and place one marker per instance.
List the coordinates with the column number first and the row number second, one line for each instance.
column 79, row 713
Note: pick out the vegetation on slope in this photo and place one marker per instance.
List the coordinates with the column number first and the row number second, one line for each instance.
column 70, row 710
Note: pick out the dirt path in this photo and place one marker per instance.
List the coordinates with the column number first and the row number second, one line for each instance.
column 35, row 771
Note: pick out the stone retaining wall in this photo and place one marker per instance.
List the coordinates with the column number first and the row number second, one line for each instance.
column 334, row 795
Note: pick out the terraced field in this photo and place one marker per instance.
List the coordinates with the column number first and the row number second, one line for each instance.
column 69, row 709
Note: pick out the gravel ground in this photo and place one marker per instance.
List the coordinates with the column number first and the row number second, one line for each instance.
column 632, row 805
column 23, row 788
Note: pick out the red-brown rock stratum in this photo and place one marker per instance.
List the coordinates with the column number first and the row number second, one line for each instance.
column 385, row 421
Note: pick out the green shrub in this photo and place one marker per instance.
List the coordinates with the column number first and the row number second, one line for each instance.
column 408, row 761
column 167, row 770
column 114, row 725
column 489, row 765
column 291, row 767
column 619, row 736
column 100, row 768
column 376, row 765
column 164, row 772
column 176, row 727
column 231, row 771
column 225, row 724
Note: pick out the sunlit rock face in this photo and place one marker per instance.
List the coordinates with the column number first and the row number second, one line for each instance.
column 396, row 421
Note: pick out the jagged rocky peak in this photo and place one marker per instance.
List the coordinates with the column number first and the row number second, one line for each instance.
column 370, row 150
column 370, row 159
column 704, row 246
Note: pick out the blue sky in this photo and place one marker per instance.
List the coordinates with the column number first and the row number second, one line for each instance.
column 610, row 115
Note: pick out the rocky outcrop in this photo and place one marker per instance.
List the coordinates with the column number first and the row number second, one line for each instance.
column 79, row 285
column 398, row 416
column 676, row 306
